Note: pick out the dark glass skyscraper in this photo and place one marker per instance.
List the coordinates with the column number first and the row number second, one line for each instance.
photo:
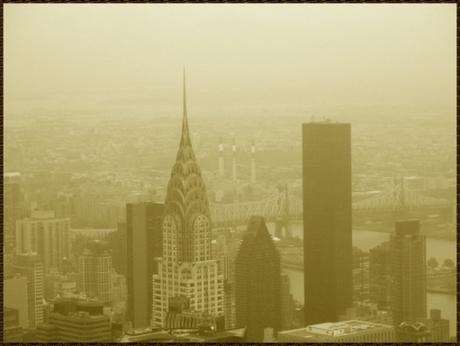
column 327, row 220
column 258, row 282
column 144, row 244
column 408, row 270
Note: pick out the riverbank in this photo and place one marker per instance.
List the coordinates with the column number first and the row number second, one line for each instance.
column 447, row 233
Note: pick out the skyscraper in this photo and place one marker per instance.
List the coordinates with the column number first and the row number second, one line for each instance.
column 30, row 266
column 408, row 269
column 258, row 282
column 95, row 269
column 144, row 244
column 187, row 267
column 379, row 275
column 327, row 220
column 45, row 234
column 12, row 199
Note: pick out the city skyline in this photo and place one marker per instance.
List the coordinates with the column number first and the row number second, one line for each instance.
column 331, row 222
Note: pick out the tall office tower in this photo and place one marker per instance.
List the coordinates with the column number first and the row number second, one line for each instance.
column 234, row 177
column 379, row 276
column 76, row 321
column 12, row 199
column 95, row 269
column 360, row 276
column 117, row 243
column 45, row 234
column 144, row 244
column 221, row 159
column 408, row 269
column 12, row 331
column 327, row 220
column 30, row 266
column 187, row 267
column 253, row 162
column 258, row 282
column 287, row 304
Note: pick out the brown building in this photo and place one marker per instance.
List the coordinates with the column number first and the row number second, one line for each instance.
column 408, row 271
column 258, row 282
column 144, row 244
column 327, row 214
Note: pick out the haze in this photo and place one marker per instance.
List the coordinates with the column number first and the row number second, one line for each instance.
column 127, row 59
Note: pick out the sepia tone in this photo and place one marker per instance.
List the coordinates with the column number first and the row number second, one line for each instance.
column 229, row 173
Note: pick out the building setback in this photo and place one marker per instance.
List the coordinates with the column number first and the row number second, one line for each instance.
column 327, row 220
column 258, row 282
column 408, row 270
column 144, row 244
column 187, row 267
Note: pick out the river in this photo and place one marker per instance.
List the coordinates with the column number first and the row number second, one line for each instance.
column 438, row 248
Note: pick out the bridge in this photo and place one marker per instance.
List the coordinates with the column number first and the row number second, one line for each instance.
column 282, row 207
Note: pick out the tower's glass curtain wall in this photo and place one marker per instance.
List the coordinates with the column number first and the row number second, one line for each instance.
column 327, row 220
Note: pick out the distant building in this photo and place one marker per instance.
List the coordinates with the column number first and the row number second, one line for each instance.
column 12, row 331
column 45, row 234
column 76, row 321
column 337, row 332
column 380, row 275
column 12, row 211
column 437, row 326
column 361, row 273
column 143, row 244
column 408, row 269
column 258, row 282
column 95, row 269
column 30, row 266
column 327, row 220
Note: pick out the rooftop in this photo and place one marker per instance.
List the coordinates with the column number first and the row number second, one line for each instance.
column 336, row 328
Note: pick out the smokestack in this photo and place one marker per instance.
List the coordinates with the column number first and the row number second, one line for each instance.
column 234, row 159
column 253, row 162
column 221, row 159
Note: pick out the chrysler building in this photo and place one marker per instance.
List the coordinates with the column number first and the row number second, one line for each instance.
column 187, row 269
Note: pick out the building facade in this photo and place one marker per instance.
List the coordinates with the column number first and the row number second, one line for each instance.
column 46, row 235
column 408, row 272
column 30, row 266
column 95, row 272
column 144, row 244
column 187, row 267
column 76, row 322
column 380, row 276
column 258, row 282
column 327, row 220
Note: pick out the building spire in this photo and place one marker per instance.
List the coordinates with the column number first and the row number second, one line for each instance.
column 185, row 139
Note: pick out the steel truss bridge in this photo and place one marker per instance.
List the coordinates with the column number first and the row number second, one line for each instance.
column 282, row 206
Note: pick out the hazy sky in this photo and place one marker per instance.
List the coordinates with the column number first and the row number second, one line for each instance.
column 128, row 57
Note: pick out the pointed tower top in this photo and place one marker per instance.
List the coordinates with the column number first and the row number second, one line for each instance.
column 185, row 139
